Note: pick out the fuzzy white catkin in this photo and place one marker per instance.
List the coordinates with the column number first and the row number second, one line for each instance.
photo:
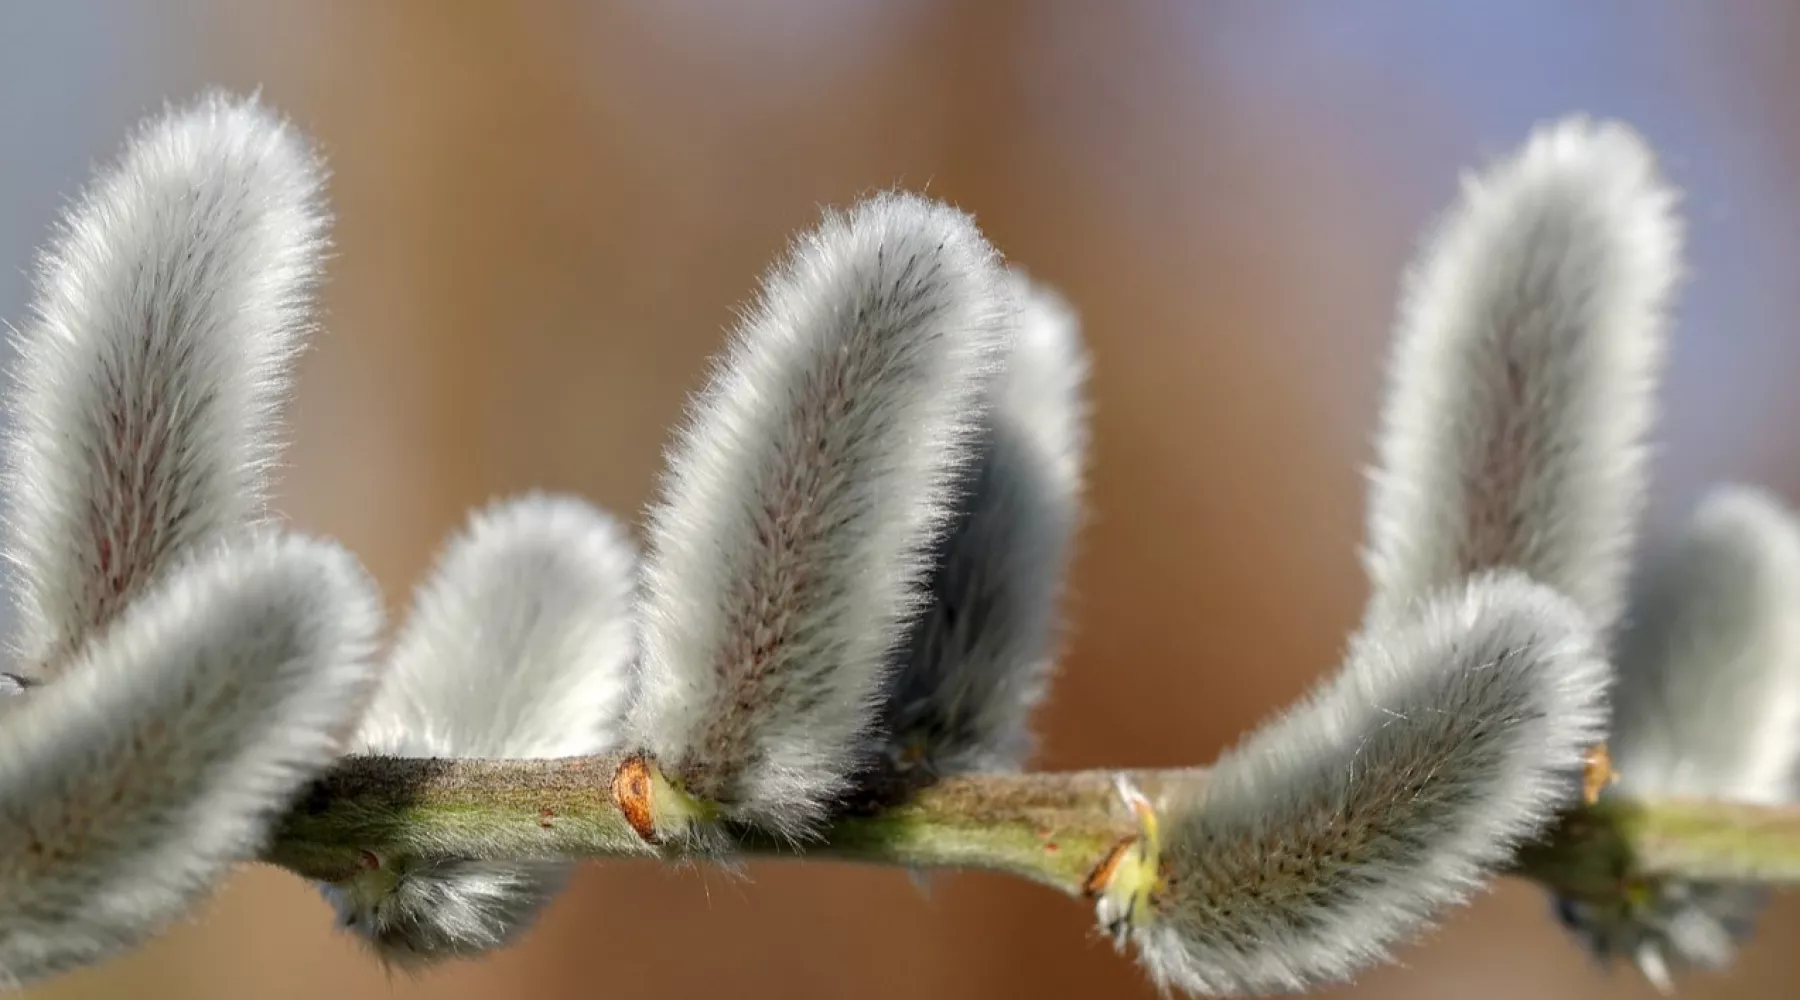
column 1340, row 828
column 146, row 394
column 520, row 645
column 1708, row 694
column 1523, row 374
column 979, row 657
column 159, row 757
column 801, row 499
column 1706, row 706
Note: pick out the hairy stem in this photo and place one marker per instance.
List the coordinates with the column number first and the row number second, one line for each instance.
column 1055, row 829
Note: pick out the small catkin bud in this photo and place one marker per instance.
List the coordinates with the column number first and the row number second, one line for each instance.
column 520, row 645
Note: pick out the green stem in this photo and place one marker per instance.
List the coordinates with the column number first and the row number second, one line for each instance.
column 1720, row 841
column 1054, row 829
column 474, row 809
column 1594, row 851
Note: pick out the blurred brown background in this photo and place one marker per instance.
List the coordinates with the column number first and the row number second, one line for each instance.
column 549, row 209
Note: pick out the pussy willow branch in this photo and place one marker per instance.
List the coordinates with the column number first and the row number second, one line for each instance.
column 1051, row 828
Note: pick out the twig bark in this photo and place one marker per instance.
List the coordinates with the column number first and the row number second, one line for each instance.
column 1055, row 829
